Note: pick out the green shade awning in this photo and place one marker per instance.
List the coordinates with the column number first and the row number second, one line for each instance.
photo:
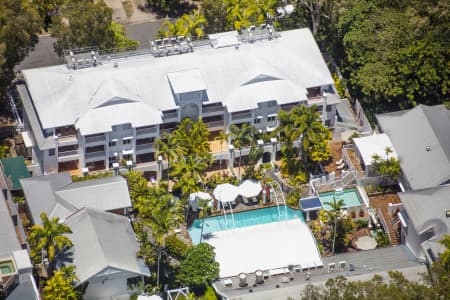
column 15, row 169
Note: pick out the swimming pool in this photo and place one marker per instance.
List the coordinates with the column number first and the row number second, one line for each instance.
column 350, row 196
column 6, row 267
column 242, row 219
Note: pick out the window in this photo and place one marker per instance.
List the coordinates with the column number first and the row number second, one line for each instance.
column 257, row 120
column 113, row 143
column 126, row 142
column 51, row 152
column 271, row 118
column 327, row 123
column 329, row 108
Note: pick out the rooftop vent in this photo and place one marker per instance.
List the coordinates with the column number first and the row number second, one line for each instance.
column 258, row 33
column 82, row 58
column 428, row 148
column 171, row 46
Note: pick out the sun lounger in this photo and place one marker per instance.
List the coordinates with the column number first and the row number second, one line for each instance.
column 255, row 200
column 245, row 200
column 339, row 162
column 340, row 167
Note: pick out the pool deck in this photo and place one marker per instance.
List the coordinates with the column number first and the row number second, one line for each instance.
column 366, row 265
column 264, row 247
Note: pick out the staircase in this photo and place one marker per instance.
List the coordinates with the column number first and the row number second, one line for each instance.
column 389, row 225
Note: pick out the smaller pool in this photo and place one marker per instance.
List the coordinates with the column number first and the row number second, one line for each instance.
column 6, row 267
column 350, row 196
column 242, row 219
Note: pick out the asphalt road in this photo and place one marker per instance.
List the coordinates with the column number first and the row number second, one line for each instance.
column 44, row 55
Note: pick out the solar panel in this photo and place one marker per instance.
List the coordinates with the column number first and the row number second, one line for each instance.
column 310, row 203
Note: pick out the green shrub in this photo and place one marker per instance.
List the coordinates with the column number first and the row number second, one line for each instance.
column 361, row 224
column 293, row 198
column 176, row 247
column 382, row 239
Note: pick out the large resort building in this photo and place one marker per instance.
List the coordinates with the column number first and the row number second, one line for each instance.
column 90, row 114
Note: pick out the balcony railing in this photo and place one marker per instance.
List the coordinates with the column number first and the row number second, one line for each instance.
column 241, row 116
column 147, row 146
column 145, row 130
column 215, row 123
column 212, row 109
column 97, row 138
column 67, row 153
column 95, row 154
column 67, row 139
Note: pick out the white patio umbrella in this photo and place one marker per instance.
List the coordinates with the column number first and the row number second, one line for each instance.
column 366, row 243
column 250, row 188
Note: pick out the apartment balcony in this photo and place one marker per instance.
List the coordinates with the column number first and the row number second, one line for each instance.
column 215, row 125
column 144, row 148
column 170, row 117
column 241, row 116
column 67, row 140
column 146, row 131
column 97, row 155
column 315, row 100
column 212, row 110
column 67, row 155
column 97, row 140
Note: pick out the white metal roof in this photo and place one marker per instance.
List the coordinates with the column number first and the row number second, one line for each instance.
column 186, row 81
column 374, row 144
column 103, row 240
column 62, row 96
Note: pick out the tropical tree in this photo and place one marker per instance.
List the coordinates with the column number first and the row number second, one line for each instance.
column 241, row 137
column 88, row 24
column 49, row 237
column 215, row 12
column 167, row 148
column 186, row 25
column 60, row 286
column 20, row 24
column 199, row 267
column 334, row 215
column 222, row 137
column 188, row 172
column 137, row 185
column 244, row 13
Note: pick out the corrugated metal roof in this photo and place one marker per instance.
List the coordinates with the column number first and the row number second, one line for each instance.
column 103, row 240
column 61, row 96
column 422, row 141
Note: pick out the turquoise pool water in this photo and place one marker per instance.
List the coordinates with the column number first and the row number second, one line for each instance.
column 350, row 196
column 242, row 219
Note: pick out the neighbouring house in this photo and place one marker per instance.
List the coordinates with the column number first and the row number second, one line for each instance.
column 421, row 138
column 368, row 146
column 97, row 111
column 425, row 218
column 58, row 196
column 104, row 253
column 16, row 279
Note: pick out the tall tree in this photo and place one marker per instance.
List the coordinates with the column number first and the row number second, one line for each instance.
column 88, row 24
column 316, row 12
column 335, row 214
column 242, row 137
column 215, row 12
column 50, row 237
column 19, row 25
column 166, row 147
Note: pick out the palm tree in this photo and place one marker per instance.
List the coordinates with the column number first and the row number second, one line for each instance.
column 167, row 148
column 186, row 25
column 188, row 172
column 165, row 216
column 222, row 137
column 241, row 137
column 309, row 128
column 50, row 237
column 387, row 151
column 335, row 214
